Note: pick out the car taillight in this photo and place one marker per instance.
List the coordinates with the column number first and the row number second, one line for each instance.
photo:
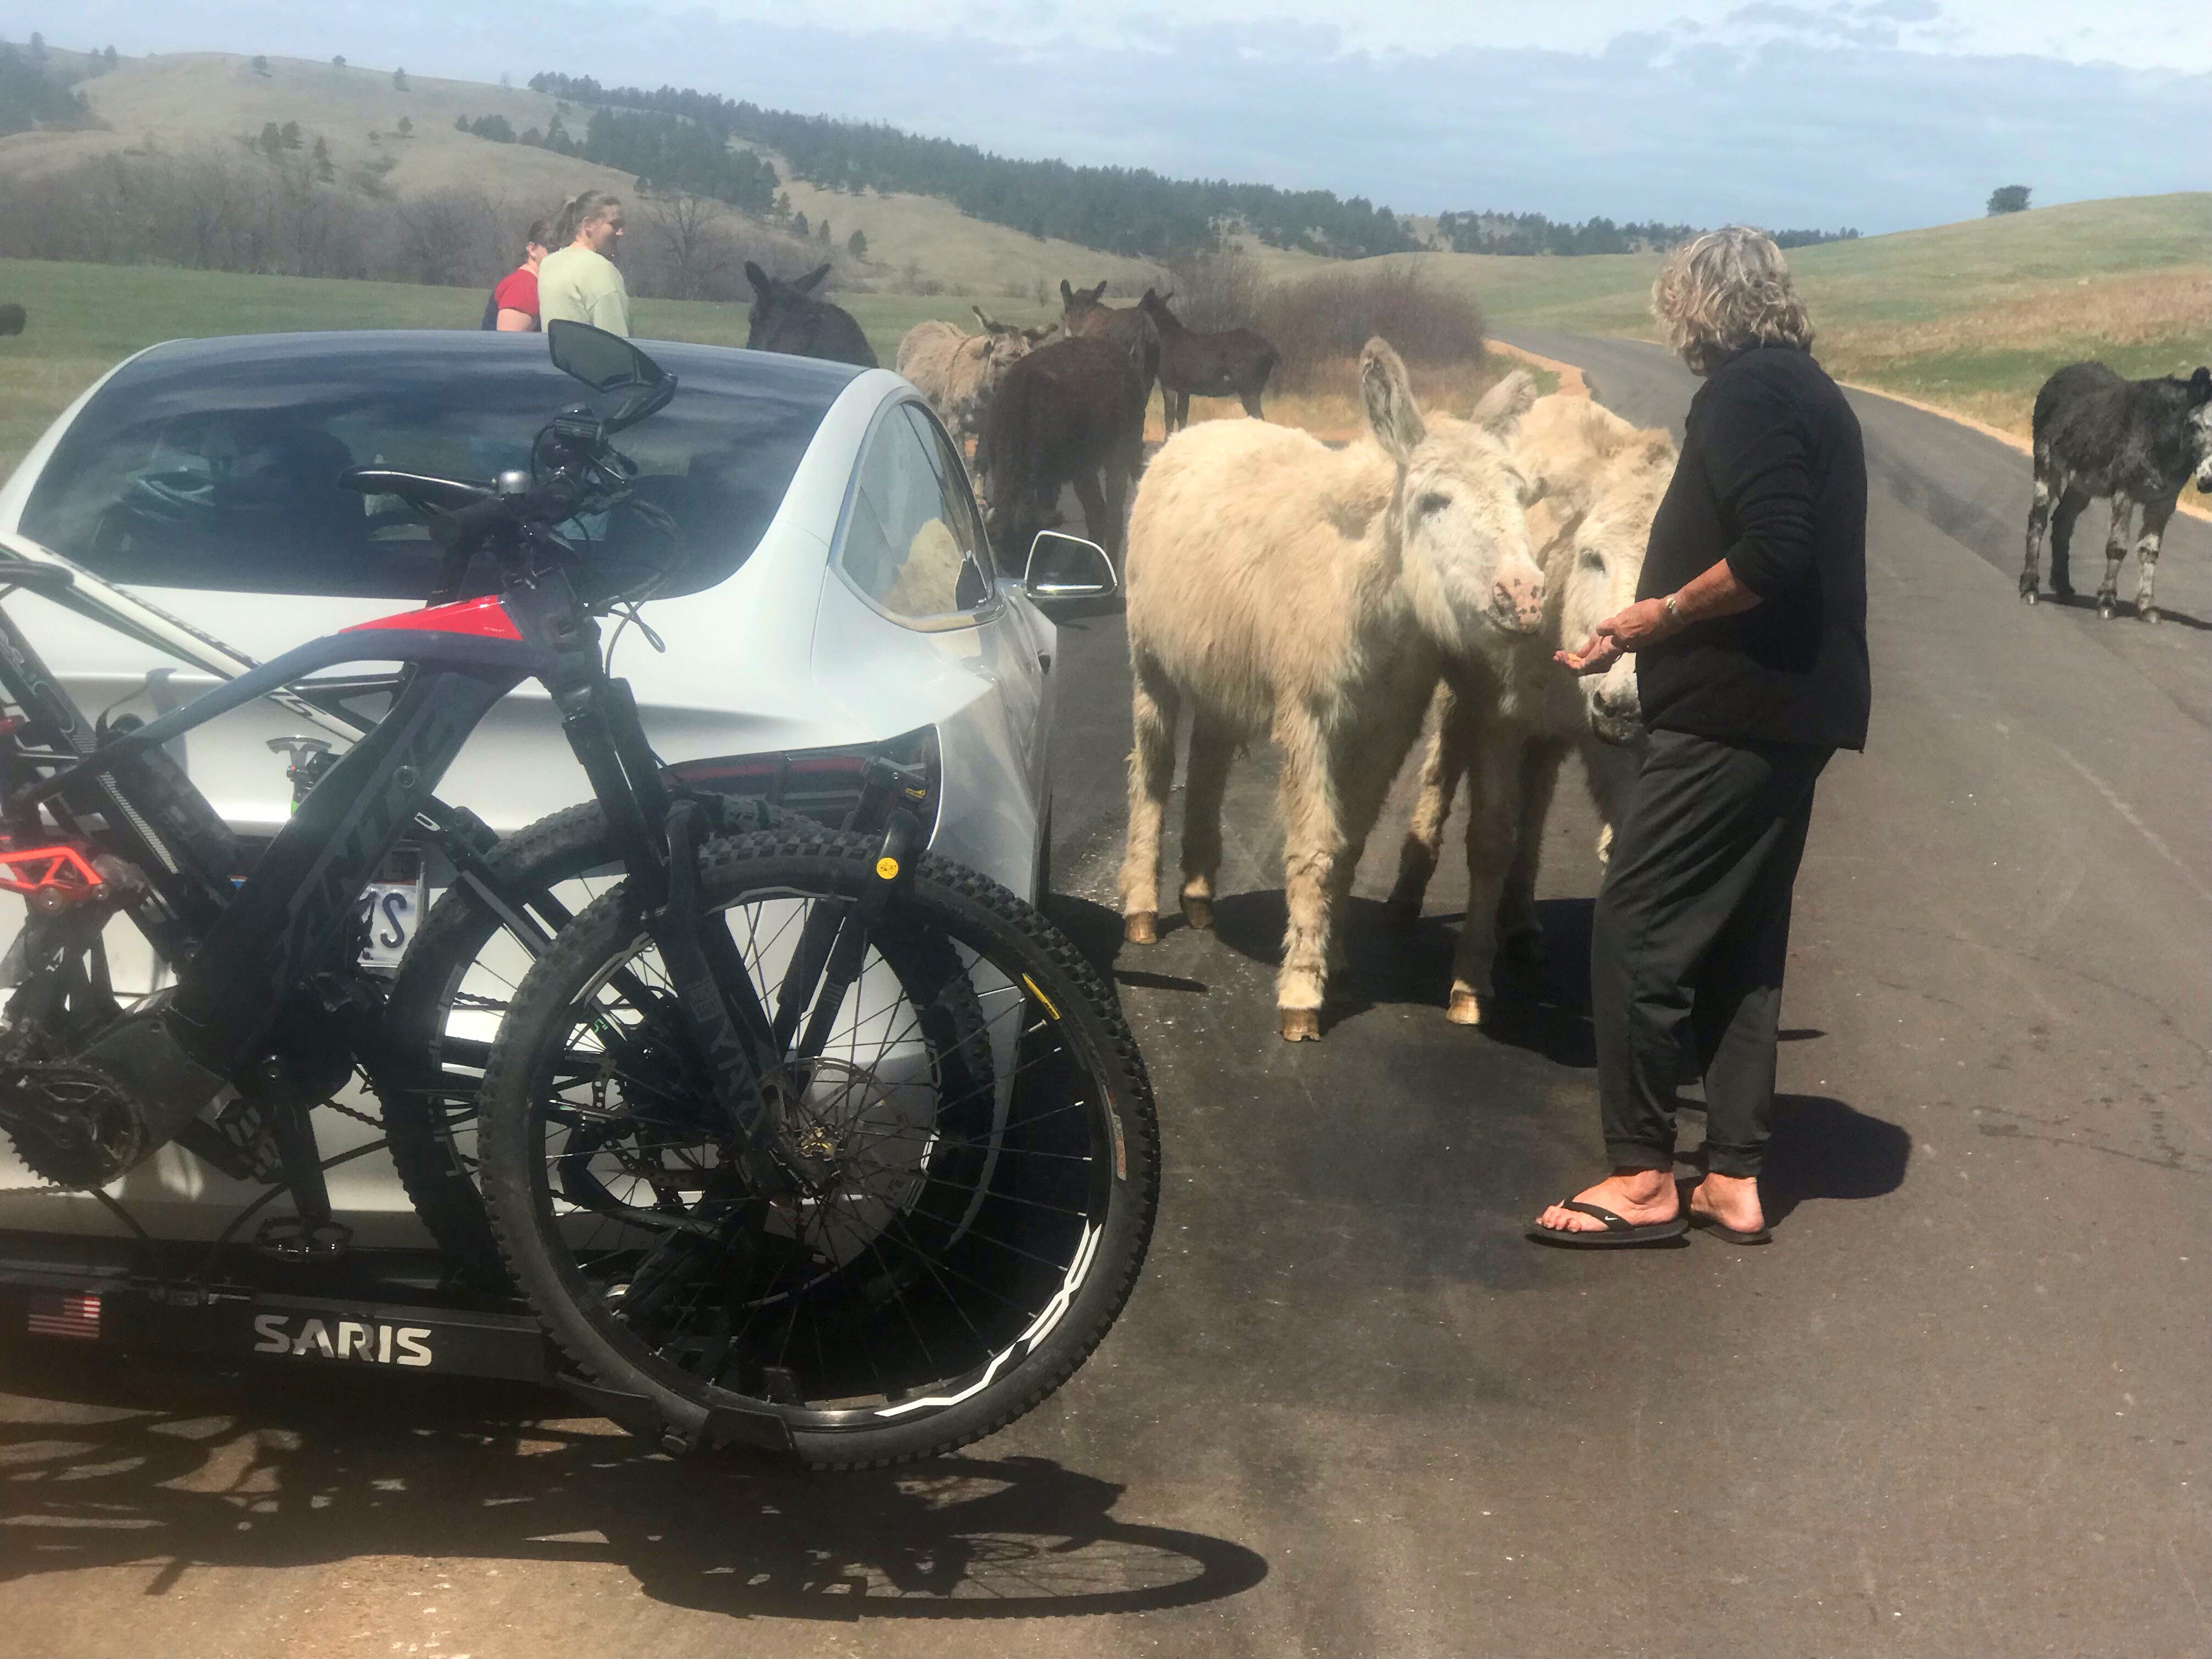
column 823, row 784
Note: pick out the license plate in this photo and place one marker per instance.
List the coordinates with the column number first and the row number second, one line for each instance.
column 392, row 908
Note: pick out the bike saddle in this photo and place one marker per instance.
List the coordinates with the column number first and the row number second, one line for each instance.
column 446, row 494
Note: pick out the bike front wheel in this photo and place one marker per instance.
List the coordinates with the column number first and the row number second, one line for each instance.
column 982, row 1130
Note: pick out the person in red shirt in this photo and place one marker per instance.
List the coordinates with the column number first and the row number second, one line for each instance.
column 512, row 308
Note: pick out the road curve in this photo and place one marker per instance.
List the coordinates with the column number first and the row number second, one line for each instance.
column 1957, row 1408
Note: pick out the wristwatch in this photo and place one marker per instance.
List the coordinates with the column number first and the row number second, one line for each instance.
column 1674, row 611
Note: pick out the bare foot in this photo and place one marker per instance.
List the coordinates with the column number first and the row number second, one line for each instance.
column 1642, row 1198
column 1732, row 1201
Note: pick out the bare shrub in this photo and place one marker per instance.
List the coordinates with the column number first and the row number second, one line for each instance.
column 221, row 210
column 1217, row 289
column 455, row 238
column 1323, row 322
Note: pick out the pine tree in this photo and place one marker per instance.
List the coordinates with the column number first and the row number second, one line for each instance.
column 338, row 63
column 109, row 57
column 400, row 80
column 290, row 134
column 460, row 124
column 325, row 172
column 406, row 126
column 798, row 224
column 858, row 245
column 825, row 231
column 271, row 142
column 261, row 66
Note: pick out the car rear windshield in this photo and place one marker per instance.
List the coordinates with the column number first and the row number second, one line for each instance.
column 215, row 464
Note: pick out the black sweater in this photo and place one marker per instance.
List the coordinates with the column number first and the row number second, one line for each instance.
column 1772, row 478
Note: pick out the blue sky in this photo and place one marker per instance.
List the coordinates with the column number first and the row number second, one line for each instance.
column 1878, row 113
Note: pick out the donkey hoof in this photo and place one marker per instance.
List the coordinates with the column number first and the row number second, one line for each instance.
column 1141, row 927
column 1402, row 909
column 2105, row 607
column 1301, row 1025
column 1198, row 912
column 1466, row 1009
column 2028, row 596
column 2149, row 613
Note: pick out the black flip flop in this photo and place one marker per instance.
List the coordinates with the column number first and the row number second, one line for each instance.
column 1729, row 1235
column 1617, row 1232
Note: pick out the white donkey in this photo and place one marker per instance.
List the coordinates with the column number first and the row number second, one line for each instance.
column 1277, row 586
column 1506, row 716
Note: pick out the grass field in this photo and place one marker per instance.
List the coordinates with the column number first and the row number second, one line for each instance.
column 85, row 318
column 1970, row 317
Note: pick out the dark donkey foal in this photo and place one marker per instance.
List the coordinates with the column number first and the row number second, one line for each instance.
column 787, row 318
column 2136, row 441
column 1233, row 363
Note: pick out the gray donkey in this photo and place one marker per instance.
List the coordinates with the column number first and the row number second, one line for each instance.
column 2137, row 441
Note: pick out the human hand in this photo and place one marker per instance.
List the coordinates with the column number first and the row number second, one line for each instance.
column 1617, row 635
column 1594, row 657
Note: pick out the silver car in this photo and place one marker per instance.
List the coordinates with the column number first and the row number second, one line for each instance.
column 830, row 594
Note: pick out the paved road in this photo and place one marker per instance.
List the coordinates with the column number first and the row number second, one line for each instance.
column 1958, row 1408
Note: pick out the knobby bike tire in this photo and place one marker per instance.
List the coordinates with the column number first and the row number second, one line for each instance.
column 1071, row 1017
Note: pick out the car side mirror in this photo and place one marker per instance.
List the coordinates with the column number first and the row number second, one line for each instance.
column 1063, row 567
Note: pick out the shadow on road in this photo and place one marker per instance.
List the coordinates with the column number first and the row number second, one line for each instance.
column 1541, row 1006
column 1825, row 1149
column 2125, row 612
column 173, row 1467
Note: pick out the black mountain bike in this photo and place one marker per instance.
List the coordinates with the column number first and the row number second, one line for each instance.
column 798, row 1138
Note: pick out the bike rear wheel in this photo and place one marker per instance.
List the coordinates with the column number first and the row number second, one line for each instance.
column 983, row 1114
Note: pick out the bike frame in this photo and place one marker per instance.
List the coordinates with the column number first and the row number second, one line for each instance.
column 242, row 955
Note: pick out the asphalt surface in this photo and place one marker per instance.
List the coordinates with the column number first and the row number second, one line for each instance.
column 1959, row 1407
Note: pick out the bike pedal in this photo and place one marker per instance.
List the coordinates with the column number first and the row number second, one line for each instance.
column 294, row 1238
column 245, row 1124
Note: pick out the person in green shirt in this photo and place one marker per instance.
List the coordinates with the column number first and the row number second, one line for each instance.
column 581, row 280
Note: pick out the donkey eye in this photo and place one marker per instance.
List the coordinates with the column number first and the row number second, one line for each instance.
column 1429, row 504
column 1590, row 559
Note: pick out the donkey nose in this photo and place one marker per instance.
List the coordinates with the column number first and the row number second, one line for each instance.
column 1518, row 601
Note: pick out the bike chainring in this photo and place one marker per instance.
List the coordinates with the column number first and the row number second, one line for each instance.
column 71, row 1121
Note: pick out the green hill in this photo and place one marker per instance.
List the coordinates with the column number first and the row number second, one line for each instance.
column 183, row 102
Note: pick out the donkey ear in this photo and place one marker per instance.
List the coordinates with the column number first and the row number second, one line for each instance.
column 2200, row 387
column 1098, row 293
column 1505, row 403
column 812, row 280
column 1066, row 293
column 1392, row 415
column 757, row 277
column 989, row 327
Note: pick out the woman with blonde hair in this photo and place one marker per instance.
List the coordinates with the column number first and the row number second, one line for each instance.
column 1749, row 631
column 579, row 281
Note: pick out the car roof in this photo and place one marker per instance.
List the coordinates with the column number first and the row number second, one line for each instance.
column 438, row 351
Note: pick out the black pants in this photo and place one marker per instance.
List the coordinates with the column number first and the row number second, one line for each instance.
column 1688, row 943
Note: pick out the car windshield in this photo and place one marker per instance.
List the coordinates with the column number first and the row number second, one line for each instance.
column 215, row 464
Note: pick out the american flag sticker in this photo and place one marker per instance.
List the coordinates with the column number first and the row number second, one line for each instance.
column 74, row 1316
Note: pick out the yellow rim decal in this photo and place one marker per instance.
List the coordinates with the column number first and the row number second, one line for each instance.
column 1041, row 996
column 887, row 868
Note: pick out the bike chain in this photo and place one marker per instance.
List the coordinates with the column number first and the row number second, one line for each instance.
column 376, row 1123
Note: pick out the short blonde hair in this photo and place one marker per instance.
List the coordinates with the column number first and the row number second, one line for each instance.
column 1725, row 290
